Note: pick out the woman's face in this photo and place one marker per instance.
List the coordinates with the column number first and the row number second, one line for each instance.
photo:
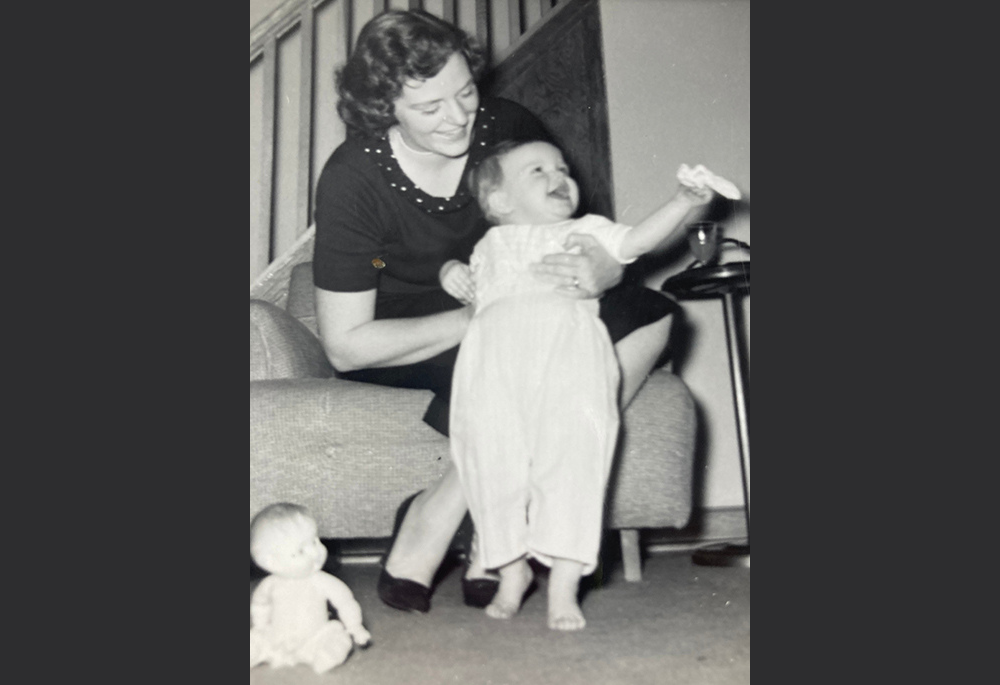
column 437, row 115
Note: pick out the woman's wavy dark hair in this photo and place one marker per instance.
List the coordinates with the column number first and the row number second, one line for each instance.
column 392, row 48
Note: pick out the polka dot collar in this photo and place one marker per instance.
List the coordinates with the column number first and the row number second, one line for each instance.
column 380, row 151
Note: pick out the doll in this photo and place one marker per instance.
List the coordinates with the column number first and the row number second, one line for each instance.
column 290, row 623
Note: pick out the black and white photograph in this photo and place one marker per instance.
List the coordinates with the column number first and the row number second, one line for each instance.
column 500, row 342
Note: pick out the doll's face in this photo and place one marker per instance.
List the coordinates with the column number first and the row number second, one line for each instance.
column 291, row 548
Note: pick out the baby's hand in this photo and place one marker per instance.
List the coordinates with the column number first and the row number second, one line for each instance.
column 456, row 279
column 698, row 183
column 694, row 196
column 362, row 638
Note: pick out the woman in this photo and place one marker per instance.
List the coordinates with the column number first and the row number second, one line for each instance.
column 392, row 208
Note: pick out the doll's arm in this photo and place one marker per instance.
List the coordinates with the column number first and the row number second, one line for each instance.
column 260, row 604
column 348, row 609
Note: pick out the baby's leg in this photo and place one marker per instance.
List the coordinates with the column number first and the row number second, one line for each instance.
column 564, row 586
column 515, row 579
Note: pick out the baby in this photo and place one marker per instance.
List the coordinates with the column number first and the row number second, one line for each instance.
column 288, row 610
column 534, row 408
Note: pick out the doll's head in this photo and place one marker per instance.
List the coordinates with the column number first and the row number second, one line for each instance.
column 525, row 182
column 284, row 541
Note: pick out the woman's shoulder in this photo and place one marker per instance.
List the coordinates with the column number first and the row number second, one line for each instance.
column 349, row 156
column 349, row 167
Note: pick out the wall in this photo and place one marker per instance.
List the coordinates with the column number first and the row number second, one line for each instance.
column 678, row 81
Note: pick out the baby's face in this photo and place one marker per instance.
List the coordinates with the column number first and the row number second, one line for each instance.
column 537, row 187
column 293, row 549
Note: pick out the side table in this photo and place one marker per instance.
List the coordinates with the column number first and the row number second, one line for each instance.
column 730, row 282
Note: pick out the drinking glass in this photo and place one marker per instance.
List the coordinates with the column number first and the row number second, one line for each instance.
column 703, row 239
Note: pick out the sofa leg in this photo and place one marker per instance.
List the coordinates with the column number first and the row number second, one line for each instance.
column 631, row 555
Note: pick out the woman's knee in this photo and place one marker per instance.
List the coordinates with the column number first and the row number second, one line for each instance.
column 638, row 353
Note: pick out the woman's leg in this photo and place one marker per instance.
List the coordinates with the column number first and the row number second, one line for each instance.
column 427, row 530
column 637, row 354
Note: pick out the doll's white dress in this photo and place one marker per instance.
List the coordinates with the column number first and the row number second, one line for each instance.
column 534, row 407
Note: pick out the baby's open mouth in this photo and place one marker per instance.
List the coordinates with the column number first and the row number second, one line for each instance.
column 562, row 192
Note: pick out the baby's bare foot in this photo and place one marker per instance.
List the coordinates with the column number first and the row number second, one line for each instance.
column 564, row 585
column 515, row 579
column 566, row 618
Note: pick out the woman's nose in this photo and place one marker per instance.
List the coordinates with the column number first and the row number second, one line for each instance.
column 455, row 113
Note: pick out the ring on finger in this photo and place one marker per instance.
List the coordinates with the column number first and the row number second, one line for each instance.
column 576, row 282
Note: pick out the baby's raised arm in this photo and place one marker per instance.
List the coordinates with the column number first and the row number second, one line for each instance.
column 695, row 189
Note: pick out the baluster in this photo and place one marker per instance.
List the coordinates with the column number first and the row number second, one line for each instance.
column 448, row 11
column 267, row 145
column 306, row 66
column 483, row 26
column 532, row 13
column 514, row 20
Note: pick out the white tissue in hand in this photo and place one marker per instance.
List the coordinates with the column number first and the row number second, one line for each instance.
column 699, row 177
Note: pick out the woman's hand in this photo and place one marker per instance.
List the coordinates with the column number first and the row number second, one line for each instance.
column 586, row 270
column 456, row 279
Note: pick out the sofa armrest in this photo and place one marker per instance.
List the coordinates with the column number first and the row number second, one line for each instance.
column 282, row 347
column 350, row 452
column 651, row 482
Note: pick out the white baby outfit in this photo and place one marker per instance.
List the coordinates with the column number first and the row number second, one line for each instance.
column 534, row 408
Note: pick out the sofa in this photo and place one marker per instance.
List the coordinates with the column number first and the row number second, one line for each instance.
column 351, row 452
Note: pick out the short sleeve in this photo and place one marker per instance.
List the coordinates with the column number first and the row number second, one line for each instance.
column 349, row 238
column 608, row 233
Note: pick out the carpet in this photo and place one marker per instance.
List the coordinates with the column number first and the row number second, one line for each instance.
column 681, row 624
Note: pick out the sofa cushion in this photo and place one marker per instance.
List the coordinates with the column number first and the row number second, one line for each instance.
column 302, row 296
column 282, row 347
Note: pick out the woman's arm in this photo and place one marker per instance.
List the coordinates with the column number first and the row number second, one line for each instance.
column 353, row 339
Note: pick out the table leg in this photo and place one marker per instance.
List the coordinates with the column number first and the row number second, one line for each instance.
column 734, row 555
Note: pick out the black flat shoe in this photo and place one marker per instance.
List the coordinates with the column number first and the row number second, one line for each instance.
column 403, row 594
column 479, row 592
column 400, row 593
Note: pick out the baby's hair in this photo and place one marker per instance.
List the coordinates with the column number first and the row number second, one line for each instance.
column 488, row 176
column 266, row 518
